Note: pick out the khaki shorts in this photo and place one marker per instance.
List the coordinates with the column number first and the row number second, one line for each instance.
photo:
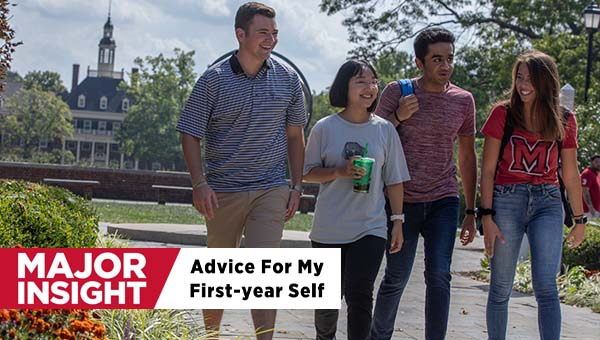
column 258, row 215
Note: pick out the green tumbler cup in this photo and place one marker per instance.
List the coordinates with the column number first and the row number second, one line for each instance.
column 362, row 184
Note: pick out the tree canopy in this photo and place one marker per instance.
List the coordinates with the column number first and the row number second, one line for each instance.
column 159, row 93
column 45, row 80
column 35, row 116
column 491, row 33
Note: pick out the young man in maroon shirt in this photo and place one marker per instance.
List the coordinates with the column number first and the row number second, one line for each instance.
column 428, row 122
column 590, row 183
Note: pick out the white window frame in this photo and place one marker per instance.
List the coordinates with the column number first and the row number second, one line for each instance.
column 102, row 125
column 87, row 126
column 125, row 105
column 103, row 103
column 81, row 101
column 116, row 126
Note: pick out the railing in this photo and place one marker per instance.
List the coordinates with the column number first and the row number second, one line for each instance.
column 94, row 132
column 108, row 74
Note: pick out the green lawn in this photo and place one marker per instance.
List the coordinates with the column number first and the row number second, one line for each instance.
column 154, row 213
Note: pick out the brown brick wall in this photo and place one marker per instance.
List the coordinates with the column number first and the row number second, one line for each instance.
column 134, row 185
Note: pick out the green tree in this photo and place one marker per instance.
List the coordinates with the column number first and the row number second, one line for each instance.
column 376, row 25
column 321, row 108
column 393, row 65
column 45, row 80
column 159, row 94
column 7, row 35
column 498, row 29
column 14, row 77
column 35, row 116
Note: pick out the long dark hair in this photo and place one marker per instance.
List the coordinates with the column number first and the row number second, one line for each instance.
column 546, row 113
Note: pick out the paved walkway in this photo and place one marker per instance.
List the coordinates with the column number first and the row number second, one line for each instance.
column 467, row 310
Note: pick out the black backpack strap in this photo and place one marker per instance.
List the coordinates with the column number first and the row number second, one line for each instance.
column 563, row 191
column 509, row 128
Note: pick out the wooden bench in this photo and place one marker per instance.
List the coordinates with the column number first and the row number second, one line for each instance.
column 86, row 185
column 307, row 200
column 307, row 203
column 162, row 188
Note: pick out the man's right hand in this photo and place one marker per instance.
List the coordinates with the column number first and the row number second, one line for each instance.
column 407, row 106
column 205, row 201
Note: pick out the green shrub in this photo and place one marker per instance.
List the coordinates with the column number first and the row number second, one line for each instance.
column 33, row 215
column 587, row 254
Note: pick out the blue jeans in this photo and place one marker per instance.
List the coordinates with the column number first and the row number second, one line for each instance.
column 437, row 222
column 535, row 210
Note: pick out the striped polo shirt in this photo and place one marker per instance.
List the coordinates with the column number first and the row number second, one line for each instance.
column 242, row 122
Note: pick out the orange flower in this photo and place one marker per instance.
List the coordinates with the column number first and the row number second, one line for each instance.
column 65, row 334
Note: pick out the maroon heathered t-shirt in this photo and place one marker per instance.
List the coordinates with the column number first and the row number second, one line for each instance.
column 428, row 138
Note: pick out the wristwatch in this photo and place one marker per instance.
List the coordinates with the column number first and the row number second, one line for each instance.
column 481, row 211
column 581, row 219
column 297, row 187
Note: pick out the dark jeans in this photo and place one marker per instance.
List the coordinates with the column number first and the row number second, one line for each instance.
column 437, row 222
column 360, row 263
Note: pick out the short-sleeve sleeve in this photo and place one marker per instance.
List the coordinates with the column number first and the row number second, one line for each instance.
column 296, row 112
column 570, row 140
column 587, row 178
column 198, row 109
column 494, row 125
column 312, row 154
column 468, row 127
column 388, row 102
column 394, row 168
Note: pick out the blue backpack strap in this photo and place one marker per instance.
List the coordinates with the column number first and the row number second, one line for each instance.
column 406, row 86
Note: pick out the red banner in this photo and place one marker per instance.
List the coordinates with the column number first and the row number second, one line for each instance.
column 84, row 278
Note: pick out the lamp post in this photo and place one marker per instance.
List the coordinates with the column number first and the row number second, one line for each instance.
column 591, row 17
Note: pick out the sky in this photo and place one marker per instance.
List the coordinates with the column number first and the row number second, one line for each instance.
column 59, row 33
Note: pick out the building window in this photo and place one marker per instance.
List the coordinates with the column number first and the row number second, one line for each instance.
column 103, row 103
column 111, row 56
column 86, row 146
column 71, row 145
column 116, row 126
column 43, row 143
column 125, row 105
column 81, row 101
column 101, row 125
column 155, row 166
column 87, row 126
column 114, row 148
column 74, row 123
column 100, row 147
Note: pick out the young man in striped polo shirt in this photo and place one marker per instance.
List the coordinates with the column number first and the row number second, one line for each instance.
column 249, row 112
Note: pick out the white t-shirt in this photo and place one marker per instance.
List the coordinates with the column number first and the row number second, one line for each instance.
column 342, row 215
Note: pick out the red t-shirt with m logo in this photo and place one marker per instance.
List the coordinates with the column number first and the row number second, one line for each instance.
column 527, row 158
